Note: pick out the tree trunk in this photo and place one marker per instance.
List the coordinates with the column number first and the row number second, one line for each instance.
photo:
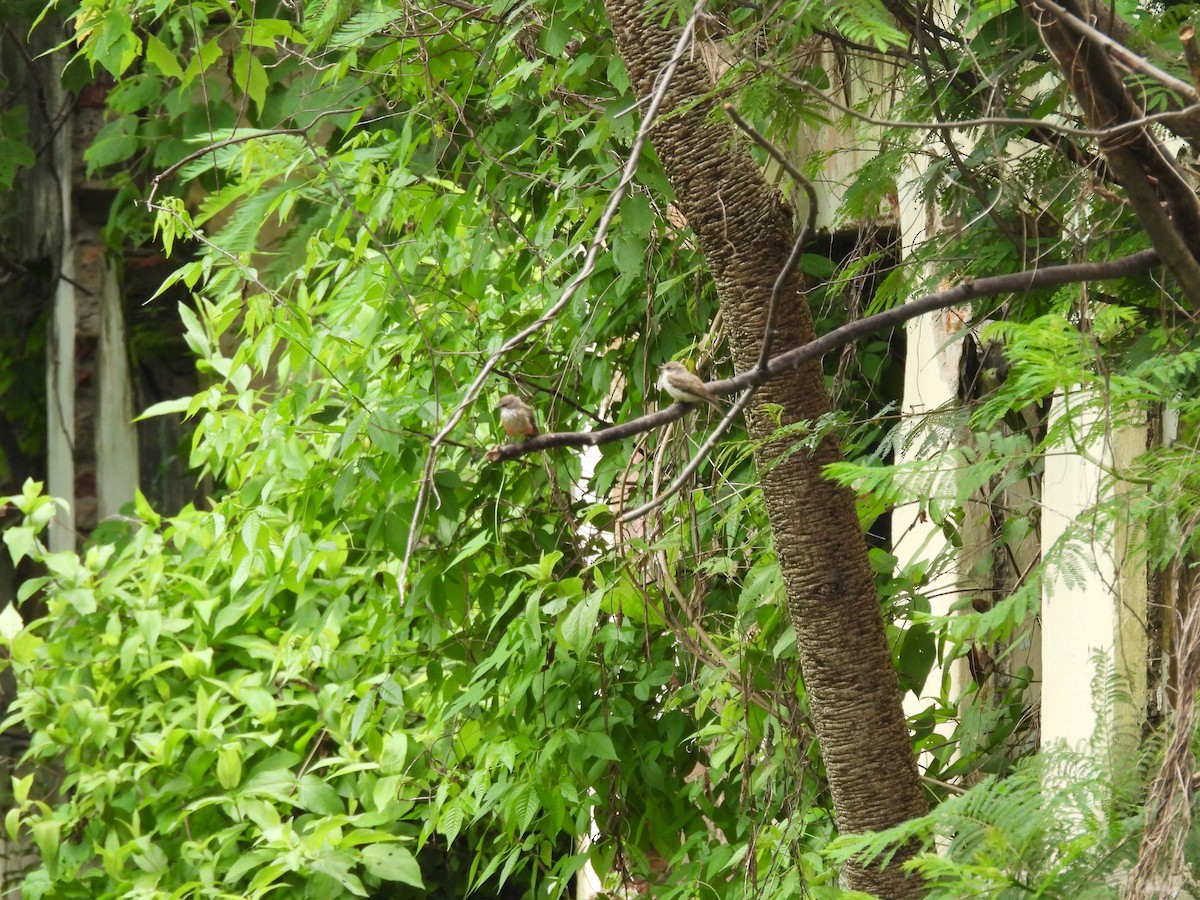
column 745, row 232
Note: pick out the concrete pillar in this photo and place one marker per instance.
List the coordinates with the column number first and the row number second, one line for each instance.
column 931, row 366
column 91, row 441
column 60, row 344
column 116, row 436
column 1095, row 596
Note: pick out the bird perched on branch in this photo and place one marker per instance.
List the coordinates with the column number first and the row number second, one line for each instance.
column 517, row 417
column 683, row 385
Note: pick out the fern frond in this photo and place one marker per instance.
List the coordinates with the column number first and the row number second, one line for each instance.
column 1061, row 825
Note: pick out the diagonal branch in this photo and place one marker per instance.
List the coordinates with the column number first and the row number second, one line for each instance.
column 1017, row 282
column 768, row 339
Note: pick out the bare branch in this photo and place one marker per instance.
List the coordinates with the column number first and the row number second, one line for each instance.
column 995, row 121
column 1017, row 282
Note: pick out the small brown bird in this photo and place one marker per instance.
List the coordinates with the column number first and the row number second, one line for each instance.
column 517, row 417
column 683, row 385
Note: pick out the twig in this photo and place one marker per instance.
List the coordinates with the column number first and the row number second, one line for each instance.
column 239, row 139
column 694, row 463
column 1016, row 282
column 213, row 148
column 990, row 121
column 589, row 264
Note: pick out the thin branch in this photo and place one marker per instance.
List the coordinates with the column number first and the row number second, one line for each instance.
column 589, row 264
column 993, row 121
column 970, row 289
column 698, row 457
column 213, row 148
column 239, row 139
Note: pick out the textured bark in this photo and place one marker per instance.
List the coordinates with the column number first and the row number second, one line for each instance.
column 745, row 232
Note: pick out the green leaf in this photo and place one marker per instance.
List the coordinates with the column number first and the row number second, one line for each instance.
column 395, row 752
column 12, row 823
column 450, row 822
column 385, row 433
column 392, row 862
column 113, row 43
column 15, row 153
column 318, row 796
column 524, row 806
column 161, row 58
column 600, row 745
column 83, row 600
column 11, row 623
column 21, row 541
column 816, row 265
column 575, row 629
column 473, row 546
column 391, row 692
column 116, row 142
column 165, row 407
column 250, row 76
column 361, row 710
column 47, row 834
column 229, row 765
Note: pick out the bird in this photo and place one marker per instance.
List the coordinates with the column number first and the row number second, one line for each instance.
column 517, row 417
column 683, row 385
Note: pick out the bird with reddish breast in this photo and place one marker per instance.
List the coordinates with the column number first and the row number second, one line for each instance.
column 517, row 418
column 681, row 384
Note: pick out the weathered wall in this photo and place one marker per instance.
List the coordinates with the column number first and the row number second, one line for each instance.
column 1095, row 608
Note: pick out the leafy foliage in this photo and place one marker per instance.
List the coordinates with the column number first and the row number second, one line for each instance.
column 362, row 670
column 1064, row 823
